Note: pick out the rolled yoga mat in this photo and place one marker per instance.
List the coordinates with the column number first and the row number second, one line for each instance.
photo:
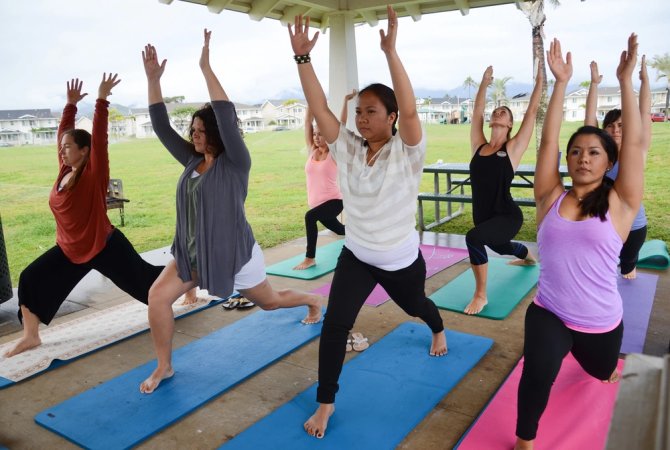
column 654, row 255
column 437, row 259
column 507, row 286
column 577, row 416
column 116, row 415
column 385, row 392
column 326, row 260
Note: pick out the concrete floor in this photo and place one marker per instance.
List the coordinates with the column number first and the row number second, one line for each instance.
column 229, row 414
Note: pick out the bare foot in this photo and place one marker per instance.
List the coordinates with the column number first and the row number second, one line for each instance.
column 314, row 314
column 150, row 384
column 439, row 345
column 527, row 261
column 630, row 275
column 25, row 343
column 522, row 444
column 190, row 297
column 306, row 263
column 614, row 378
column 317, row 424
column 476, row 305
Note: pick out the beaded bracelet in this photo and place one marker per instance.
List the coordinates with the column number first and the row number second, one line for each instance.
column 302, row 59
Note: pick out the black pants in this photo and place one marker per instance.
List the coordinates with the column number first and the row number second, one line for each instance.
column 326, row 213
column 546, row 342
column 46, row 282
column 631, row 249
column 496, row 233
column 353, row 281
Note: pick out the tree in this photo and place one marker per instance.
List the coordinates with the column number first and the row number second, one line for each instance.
column 534, row 11
column 290, row 101
column 175, row 99
column 500, row 90
column 181, row 117
column 115, row 117
column 585, row 84
column 662, row 65
column 470, row 83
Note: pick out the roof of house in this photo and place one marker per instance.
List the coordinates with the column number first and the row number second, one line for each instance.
column 15, row 114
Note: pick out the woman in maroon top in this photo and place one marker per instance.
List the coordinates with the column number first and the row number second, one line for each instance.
column 85, row 238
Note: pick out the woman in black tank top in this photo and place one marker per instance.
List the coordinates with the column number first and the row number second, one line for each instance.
column 496, row 217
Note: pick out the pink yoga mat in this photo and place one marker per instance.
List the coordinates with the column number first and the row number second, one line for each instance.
column 577, row 417
column 437, row 259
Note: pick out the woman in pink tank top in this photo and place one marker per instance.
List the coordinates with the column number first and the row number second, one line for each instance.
column 323, row 192
column 580, row 233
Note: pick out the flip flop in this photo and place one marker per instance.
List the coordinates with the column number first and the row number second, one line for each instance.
column 360, row 342
column 231, row 303
column 245, row 304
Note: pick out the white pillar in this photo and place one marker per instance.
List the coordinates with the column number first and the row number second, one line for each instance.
column 343, row 63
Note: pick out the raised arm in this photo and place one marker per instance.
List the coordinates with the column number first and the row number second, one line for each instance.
column 518, row 145
column 309, row 129
column 99, row 155
column 548, row 184
column 591, row 113
column 302, row 45
column 477, row 137
column 214, row 87
column 181, row 149
column 73, row 95
column 409, row 124
column 629, row 184
column 345, row 106
column 645, row 107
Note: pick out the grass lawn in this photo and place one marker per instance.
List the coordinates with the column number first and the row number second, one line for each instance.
column 277, row 200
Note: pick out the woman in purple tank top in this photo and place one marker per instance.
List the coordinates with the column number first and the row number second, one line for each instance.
column 580, row 233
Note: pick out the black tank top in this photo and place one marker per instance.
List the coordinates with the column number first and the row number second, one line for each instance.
column 491, row 178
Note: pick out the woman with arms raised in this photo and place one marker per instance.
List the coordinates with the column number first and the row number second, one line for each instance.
column 379, row 177
column 214, row 246
column 578, row 308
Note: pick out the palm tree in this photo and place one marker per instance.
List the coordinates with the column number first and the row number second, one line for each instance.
column 470, row 83
column 499, row 90
column 662, row 66
column 534, row 11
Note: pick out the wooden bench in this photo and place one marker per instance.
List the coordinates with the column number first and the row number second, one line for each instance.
column 115, row 198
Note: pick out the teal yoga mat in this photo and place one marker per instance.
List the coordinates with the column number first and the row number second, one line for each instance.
column 326, row 259
column 654, row 255
column 115, row 415
column 385, row 392
column 507, row 286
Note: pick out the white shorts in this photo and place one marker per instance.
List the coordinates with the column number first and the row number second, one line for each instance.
column 253, row 272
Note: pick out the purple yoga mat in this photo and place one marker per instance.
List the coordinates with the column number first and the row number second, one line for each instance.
column 437, row 259
column 638, row 298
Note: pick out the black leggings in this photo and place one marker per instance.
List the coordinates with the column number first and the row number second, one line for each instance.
column 326, row 213
column 45, row 284
column 546, row 342
column 497, row 233
column 631, row 249
column 353, row 281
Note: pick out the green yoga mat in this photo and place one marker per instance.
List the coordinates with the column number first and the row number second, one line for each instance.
column 507, row 286
column 654, row 255
column 326, row 259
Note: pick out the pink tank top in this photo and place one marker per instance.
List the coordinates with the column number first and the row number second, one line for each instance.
column 578, row 271
column 321, row 181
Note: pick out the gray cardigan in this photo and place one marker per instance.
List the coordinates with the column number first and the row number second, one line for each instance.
column 223, row 236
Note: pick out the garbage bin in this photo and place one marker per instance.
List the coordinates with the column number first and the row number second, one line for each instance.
column 5, row 279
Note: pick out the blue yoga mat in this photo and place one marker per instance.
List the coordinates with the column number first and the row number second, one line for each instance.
column 506, row 286
column 384, row 393
column 326, row 260
column 115, row 415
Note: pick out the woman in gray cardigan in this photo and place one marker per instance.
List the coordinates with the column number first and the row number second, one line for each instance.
column 214, row 246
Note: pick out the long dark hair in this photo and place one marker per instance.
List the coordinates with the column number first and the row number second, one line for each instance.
column 83, row 139
column 206, row 114
column 596, row 202
column 511, row 118
column 386, row 95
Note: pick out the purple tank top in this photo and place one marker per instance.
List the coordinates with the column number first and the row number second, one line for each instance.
column 578, row 270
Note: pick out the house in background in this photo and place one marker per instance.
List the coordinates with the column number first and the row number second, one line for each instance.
column 27, row 127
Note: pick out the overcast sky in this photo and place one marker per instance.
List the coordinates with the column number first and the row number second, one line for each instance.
column 43, row 43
